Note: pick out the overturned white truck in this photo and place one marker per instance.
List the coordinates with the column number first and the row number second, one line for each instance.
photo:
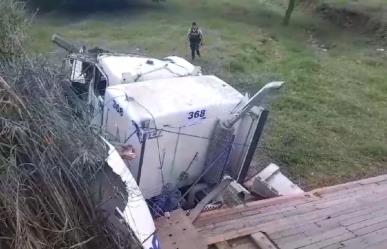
column 189, row 132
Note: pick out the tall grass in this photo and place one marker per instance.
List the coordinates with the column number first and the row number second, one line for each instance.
column 49, row 158
column 13, row 24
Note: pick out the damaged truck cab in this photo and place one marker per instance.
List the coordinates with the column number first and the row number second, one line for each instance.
column 92, row 74
column 189, row 132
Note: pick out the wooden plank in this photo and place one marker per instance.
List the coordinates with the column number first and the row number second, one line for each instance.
column 319, row 230
column 262, row 241
column 367, row 240
column 284, row 241
column 350, row 215
column 303, row 201
column 289, row 211
column 345, row 215
column 258, row 207
column 372, row 219
column 232, row 233
column 377, row 179
column 258, row 221
column 380, row 245
column 285, row 200
column 236, row 229
column 349, row 185
column 358, row 192
column 314, row 215
column 261, row 204
column 370, row 229
column 362, row 220
column 258, row 217
column 348, row 206
column 284, row 233
column 334, row 246
column 334, row 242
column 306, row 241
column 223, row 245
column 177, row 231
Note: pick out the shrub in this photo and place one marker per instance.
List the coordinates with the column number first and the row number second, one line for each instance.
column 49, row 157
column 13, row 26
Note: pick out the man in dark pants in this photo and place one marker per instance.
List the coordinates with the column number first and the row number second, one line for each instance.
column 195, row 38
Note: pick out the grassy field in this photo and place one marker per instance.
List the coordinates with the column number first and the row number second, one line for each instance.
column 329, row 123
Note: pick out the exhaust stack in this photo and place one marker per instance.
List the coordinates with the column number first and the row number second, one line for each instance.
column 61, row 42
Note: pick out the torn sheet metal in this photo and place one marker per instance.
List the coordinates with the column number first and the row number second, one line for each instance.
column 136, row 212
column 270, row 182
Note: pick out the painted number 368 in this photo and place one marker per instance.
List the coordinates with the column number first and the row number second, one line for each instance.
column 119, row 109
column 197, row 114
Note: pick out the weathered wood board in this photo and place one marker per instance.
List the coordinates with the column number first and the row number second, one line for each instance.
column 177, row 232
column 352, row 215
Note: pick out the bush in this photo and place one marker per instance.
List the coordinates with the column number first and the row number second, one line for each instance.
column 49, row 158
column 13, row 26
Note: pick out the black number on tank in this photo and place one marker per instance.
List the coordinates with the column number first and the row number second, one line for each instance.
column 197, row 114
column 118, row 109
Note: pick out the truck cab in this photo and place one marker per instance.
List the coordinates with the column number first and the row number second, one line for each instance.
column 91, row 75
column 189, row 132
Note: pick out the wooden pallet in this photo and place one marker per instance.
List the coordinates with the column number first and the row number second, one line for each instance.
column 352, row 215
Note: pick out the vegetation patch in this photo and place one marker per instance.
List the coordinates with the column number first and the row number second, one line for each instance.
column 49, row 157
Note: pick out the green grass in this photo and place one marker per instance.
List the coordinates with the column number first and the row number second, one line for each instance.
column 328, row 125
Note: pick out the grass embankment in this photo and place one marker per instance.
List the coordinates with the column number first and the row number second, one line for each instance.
column 328, row 126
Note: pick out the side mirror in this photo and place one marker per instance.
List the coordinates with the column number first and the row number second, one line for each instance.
column 76, row 72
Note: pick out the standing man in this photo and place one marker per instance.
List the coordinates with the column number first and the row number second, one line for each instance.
column 195, row 38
